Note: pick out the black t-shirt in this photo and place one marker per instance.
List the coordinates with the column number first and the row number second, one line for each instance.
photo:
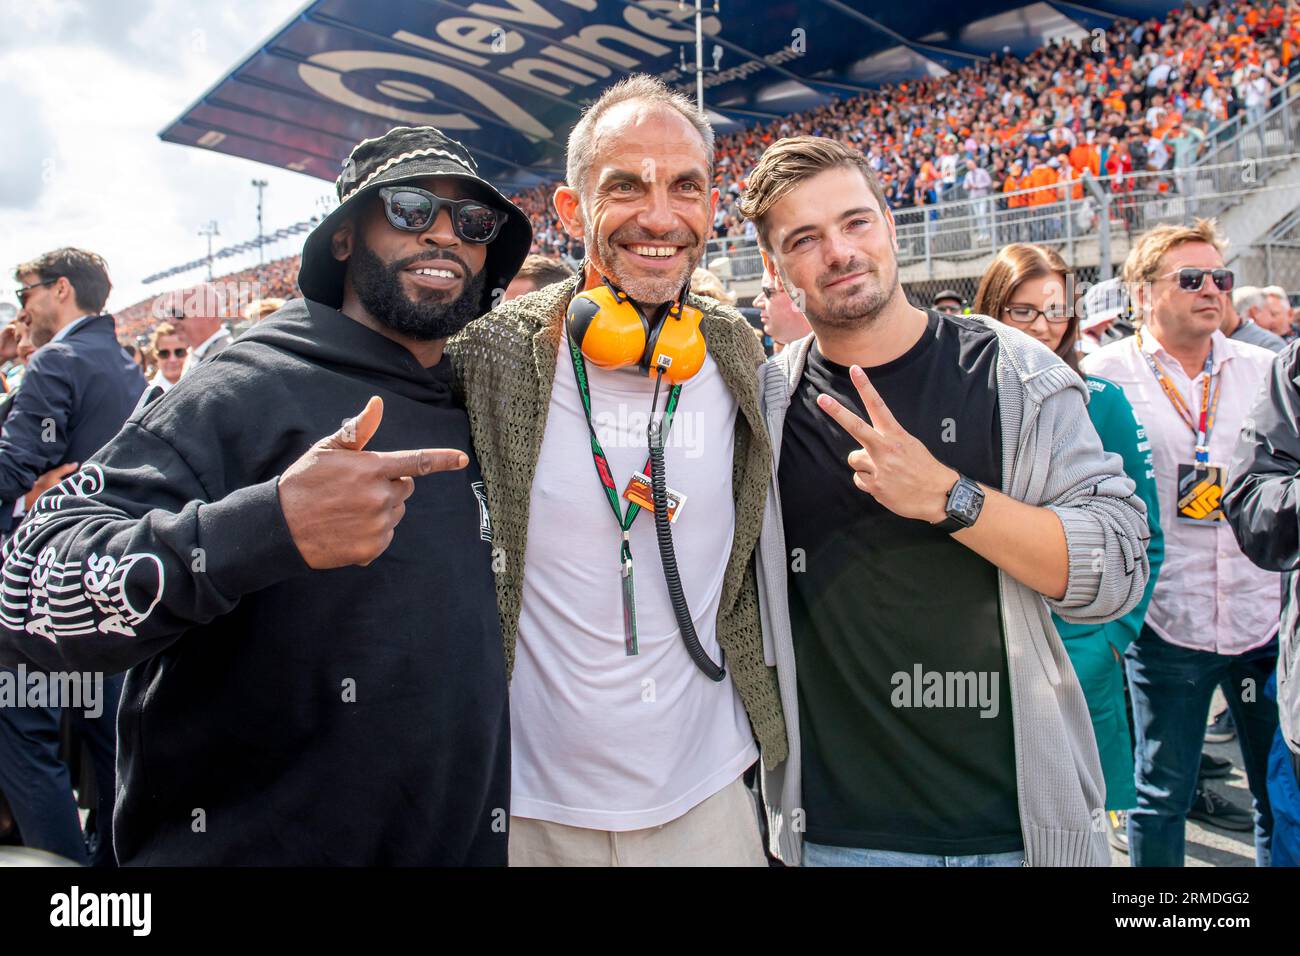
column 897, row 628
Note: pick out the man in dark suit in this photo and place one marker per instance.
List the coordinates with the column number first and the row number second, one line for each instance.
column 78, row 390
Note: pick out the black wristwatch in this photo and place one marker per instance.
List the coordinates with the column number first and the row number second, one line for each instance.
column 965, row 501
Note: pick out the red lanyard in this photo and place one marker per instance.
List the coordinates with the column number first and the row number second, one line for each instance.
column 1209, row 407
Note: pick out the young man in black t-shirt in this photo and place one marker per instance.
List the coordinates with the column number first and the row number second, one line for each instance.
column 939, row 723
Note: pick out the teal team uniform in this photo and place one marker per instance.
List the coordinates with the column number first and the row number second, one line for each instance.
column 1090, row 646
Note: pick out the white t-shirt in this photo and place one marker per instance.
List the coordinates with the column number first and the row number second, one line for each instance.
column 1157, row 153
column 600, row 739
column 1257, row 91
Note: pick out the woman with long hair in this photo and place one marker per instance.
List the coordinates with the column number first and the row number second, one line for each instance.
column 1026, row 287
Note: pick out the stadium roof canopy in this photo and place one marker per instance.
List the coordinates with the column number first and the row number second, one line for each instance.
column 509, row 77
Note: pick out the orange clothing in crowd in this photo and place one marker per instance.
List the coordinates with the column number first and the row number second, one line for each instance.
column 1075, row 177
column 1010, row 186
column 1086, row 156
column 1041, row 179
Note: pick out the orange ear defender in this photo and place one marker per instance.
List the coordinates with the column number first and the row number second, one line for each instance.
column 612, row 333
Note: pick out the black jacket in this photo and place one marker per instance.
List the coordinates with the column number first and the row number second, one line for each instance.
column 75, row 395
column 1262, row 503
column 274, row 714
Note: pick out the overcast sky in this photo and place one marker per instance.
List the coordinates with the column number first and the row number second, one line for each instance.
column 85, row 88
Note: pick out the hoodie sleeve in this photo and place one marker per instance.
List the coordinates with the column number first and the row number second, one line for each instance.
column 1263, row 497
column 1105, row 521
column 121, row 558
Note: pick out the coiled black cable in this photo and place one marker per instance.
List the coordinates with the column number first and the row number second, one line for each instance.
column 667, row 557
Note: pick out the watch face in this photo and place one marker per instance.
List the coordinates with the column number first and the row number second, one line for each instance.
column 964, row 501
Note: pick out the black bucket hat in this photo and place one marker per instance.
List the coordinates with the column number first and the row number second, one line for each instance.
column 403, row 154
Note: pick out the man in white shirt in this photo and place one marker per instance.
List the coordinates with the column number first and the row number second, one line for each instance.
column 979, row 184
column 1256, row 91
column 1157, row 153
column 1213, row 617
column 627, row 749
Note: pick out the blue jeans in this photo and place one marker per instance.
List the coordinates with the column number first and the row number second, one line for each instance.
column 39, row 788
column 1171, row 688
column 1283, row 796
column 818, row 854
column 1284, row 800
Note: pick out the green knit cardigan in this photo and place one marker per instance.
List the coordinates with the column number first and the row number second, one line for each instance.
column 505, row 368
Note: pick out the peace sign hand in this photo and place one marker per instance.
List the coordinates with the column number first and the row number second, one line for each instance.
column 892, row 466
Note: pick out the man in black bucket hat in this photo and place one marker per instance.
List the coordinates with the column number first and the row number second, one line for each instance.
column 404, row 157
column 307, row 609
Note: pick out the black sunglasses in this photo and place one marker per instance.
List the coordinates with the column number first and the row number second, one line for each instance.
column 23, row 290
column 1191, row 280
column 167, row 353
column 411, row 209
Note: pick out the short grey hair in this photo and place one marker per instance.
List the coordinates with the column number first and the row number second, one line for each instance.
column 641, row 87
column 1278, row 291
column 1247, row 297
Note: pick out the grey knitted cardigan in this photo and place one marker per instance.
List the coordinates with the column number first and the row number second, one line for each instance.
column 505, row 367
column 1052, row 457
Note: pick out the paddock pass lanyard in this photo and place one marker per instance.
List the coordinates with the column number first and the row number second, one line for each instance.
column 611, row 492
column 1208, row 407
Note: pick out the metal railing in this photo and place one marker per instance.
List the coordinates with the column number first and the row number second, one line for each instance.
column 1091, row 208
column 1273, row 130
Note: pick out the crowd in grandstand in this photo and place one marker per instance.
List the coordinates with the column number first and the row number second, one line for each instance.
column 1144, row 97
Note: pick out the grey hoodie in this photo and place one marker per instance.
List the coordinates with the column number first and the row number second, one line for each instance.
column 1051, row 457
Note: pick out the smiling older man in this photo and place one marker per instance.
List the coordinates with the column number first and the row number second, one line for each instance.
column 624, row 750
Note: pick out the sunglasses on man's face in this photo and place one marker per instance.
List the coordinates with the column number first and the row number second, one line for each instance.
column 168, row 353
column 1191, row 280
column 24, row 291
column 414, row 210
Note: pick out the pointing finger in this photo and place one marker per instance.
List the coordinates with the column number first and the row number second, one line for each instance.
column 421, row 461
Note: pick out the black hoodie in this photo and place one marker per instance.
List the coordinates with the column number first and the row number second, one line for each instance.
column 274, row 714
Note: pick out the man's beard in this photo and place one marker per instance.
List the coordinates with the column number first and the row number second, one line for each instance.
column 861, row 308
column 430, row 317
column 650, row 290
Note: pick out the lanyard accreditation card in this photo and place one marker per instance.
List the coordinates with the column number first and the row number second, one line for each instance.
column 1198, row 496
column 606, row 476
